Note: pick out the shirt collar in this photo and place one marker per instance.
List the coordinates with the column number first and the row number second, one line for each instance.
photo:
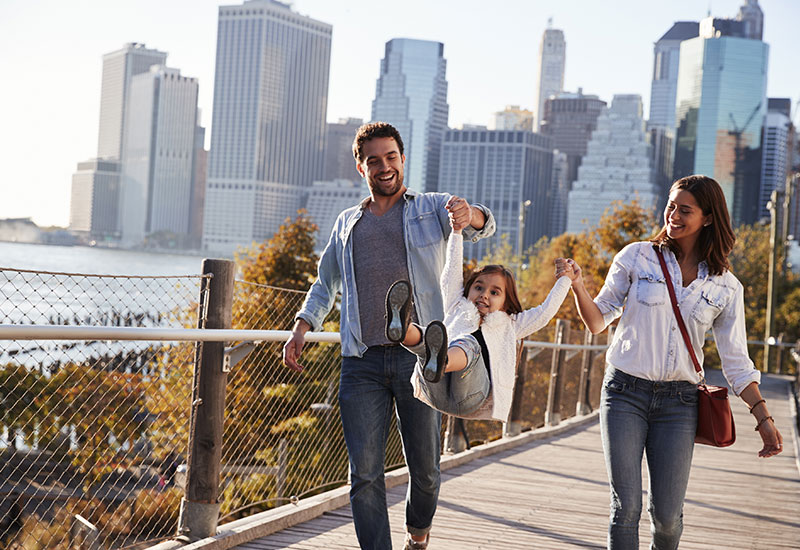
column 409, row 194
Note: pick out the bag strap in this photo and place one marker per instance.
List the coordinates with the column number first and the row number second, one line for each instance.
column 678, row 316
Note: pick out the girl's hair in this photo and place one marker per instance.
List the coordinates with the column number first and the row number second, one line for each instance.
column 512, row 304
column 716, row 240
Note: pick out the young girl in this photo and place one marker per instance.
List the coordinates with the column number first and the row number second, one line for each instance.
column 471, row 375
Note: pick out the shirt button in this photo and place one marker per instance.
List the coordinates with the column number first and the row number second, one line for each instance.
column 673, row 329
column 670, row 352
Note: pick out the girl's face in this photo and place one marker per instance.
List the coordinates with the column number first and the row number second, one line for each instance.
column 488, row 293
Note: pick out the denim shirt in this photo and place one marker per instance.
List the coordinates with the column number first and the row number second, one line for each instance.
column 648, row 342
column 426, row 227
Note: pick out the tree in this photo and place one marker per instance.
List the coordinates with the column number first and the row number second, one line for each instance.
column 21, row 401
column 287, row 260
column 267, row 403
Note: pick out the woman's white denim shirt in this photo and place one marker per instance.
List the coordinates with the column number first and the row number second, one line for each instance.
column 648, row 342
column 426, row 226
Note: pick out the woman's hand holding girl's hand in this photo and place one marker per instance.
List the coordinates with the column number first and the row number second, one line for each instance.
column 564, row 269
column 568, row 268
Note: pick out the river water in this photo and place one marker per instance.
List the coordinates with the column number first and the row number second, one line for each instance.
column 144, row 297
column 86, row 259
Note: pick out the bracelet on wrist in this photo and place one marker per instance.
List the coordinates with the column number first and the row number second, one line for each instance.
column 756, row 404
column 763, row 420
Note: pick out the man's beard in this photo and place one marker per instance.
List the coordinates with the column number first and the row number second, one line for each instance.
column 378, row 189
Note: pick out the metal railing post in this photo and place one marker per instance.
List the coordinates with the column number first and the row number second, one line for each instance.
column 454, row 440
column 584, row 405
column 552, row 416
column 199, row 512
column 514, row 425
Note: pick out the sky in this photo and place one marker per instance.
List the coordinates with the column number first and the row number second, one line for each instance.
column 51, row 64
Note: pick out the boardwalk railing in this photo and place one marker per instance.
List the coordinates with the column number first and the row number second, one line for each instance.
column 114, row 435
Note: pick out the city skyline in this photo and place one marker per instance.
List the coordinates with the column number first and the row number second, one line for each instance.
column 62, row 51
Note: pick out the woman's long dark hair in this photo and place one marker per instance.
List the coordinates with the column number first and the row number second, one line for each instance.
column 716, row 240
column 512, row 303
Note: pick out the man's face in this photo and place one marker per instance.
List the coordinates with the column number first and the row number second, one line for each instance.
column 382, row 166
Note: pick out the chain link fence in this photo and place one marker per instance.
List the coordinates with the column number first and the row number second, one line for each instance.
column 93, row 432
column 283, row 438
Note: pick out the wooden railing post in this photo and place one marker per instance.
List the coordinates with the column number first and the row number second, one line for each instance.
column 199, row 512
column 552, row 416
column 514, row 425
column 584, row 405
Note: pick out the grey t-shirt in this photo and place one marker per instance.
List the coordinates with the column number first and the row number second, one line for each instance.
column 379, row 259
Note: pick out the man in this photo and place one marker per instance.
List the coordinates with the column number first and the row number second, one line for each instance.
column 395, row 233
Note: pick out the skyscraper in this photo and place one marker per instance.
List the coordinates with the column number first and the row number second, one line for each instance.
column 94, row 203
column 324, row 200
column 617, row 165
column 339, row 161
column 666, row 59
column 95, row 199
column 268, row 124
column 720, row 108
column 777, row 147
column 569, row 119
column 119, row 67
column 753, row 18
column 552, row 60
column 501, row 169
column 411, row 95
column 158, row 156
column 512, row 118
column 661, row 124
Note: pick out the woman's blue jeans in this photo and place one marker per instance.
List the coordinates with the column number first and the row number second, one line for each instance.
column 640, row 416
column 371, row 386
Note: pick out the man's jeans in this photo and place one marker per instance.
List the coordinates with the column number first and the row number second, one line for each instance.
column 659, row 418
column 368, row 386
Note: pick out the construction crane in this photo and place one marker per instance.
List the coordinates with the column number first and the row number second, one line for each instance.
column 739, row 174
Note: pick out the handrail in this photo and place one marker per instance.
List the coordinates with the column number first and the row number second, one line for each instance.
column 73, row 332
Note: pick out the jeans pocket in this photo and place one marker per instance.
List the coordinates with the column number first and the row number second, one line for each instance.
column 688, row 397
column 614, row 385
column 471, row 402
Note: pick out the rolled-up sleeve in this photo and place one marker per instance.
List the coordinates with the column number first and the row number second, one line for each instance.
column 730, row 334
column 488, row 229
column 612, row 296
column 322, row 294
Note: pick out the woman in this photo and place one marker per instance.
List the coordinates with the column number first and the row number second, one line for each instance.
column 649, row 396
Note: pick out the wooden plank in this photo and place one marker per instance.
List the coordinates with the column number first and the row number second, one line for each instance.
column 553, row 494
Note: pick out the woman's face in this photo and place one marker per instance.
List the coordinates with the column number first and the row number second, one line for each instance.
column 683, row 216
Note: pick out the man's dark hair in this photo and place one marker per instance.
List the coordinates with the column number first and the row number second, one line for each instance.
column 371, row 131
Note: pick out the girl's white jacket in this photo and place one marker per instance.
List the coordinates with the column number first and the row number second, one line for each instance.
column 500, row 330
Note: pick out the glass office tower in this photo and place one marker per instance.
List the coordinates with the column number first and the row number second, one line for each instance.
column 411, row 95
column 501, row 169
column 720, row 107
column 268, row 125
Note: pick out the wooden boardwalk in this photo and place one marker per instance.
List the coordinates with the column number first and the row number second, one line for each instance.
column 552, row 494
